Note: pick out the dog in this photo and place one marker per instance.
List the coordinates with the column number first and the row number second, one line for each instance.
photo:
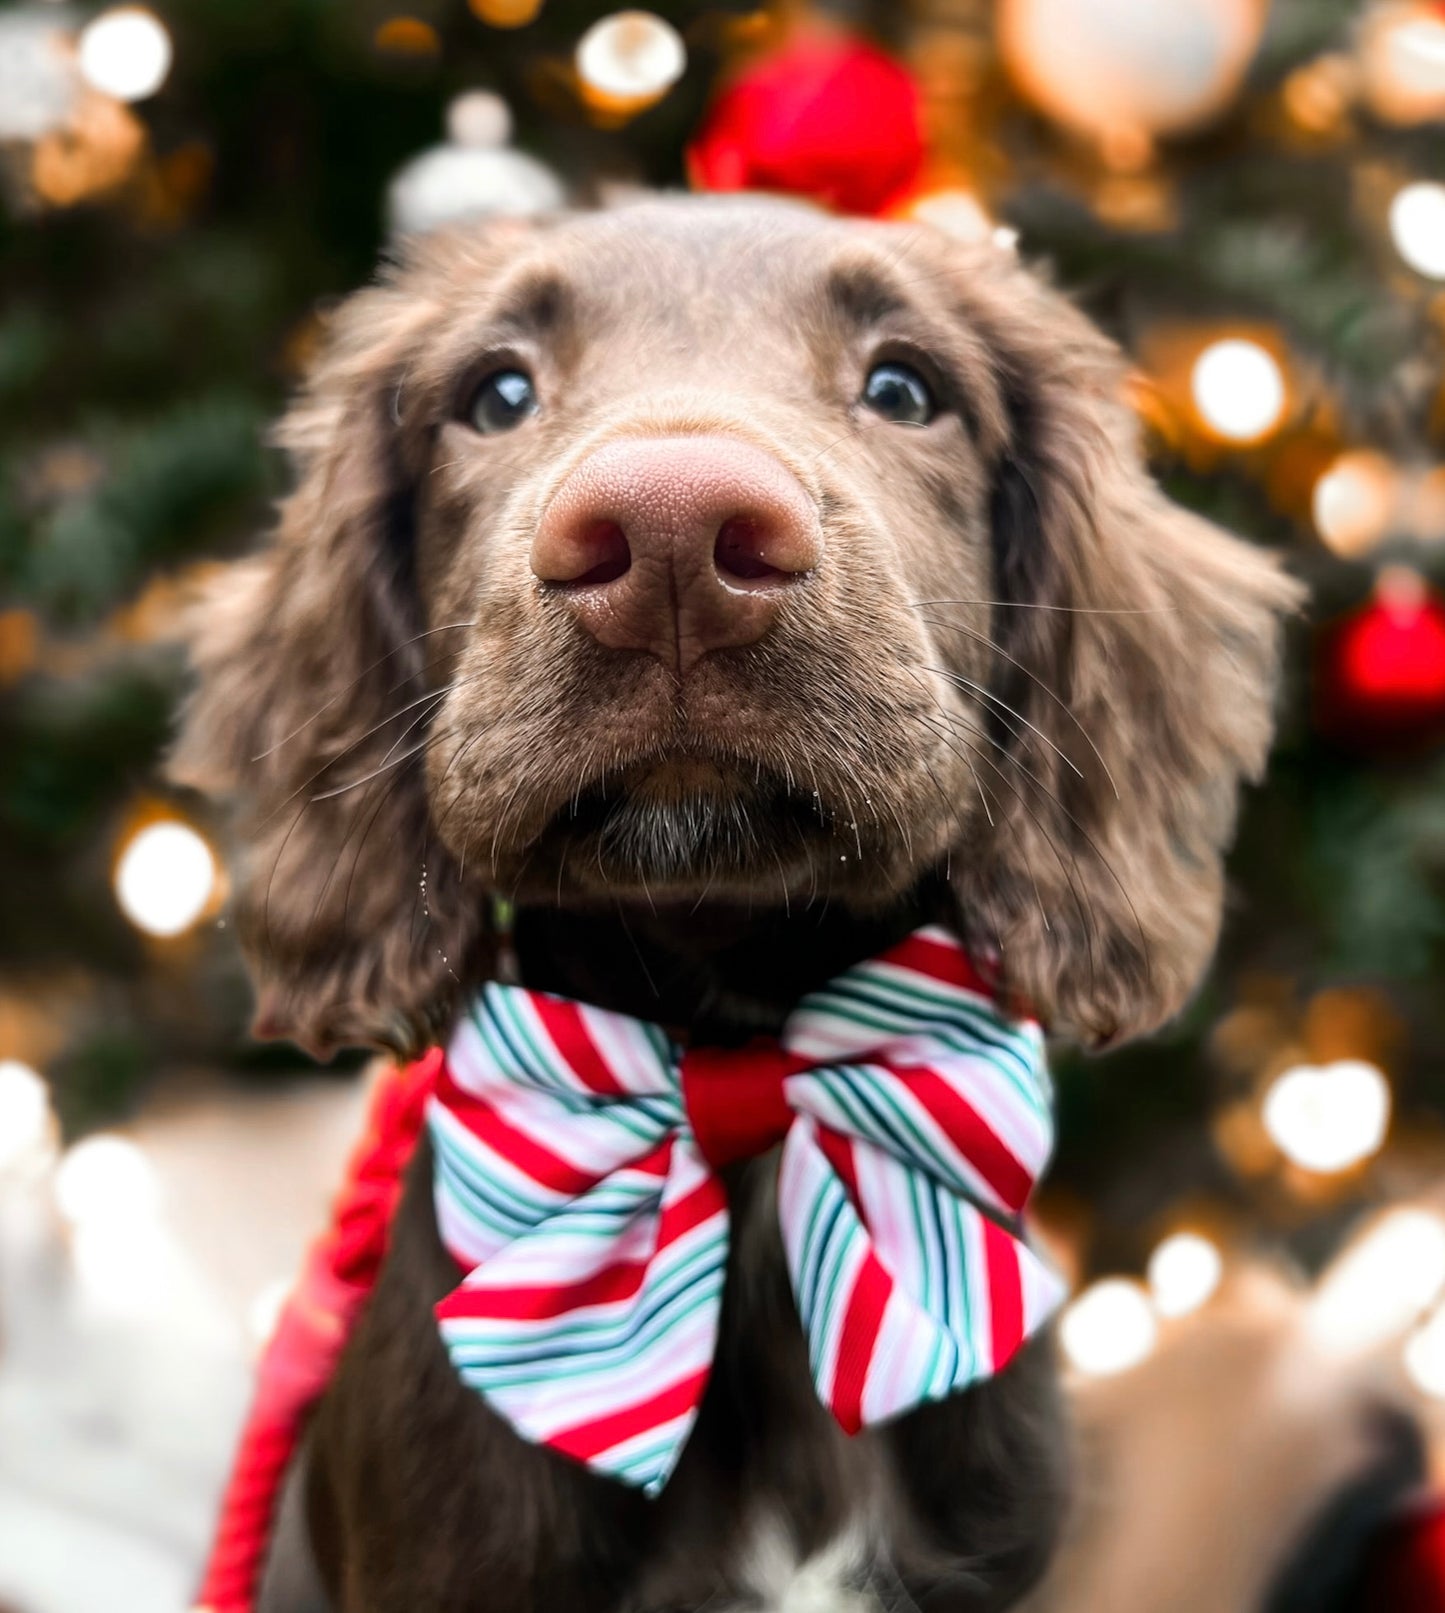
column 676, row 605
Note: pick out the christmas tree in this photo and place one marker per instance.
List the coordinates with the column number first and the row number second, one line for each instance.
column 1243, row 196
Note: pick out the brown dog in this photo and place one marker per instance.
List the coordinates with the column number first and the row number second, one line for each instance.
column 730, row 587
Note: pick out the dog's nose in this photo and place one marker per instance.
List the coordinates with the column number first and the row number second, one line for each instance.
column 677, row 545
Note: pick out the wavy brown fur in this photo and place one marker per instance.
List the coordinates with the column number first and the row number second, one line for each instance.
column 1019, row 694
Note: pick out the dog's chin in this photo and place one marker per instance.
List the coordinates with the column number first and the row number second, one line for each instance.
column 695, row 831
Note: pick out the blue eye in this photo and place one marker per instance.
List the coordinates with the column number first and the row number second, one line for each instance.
column 895, row 392
column 502, row 401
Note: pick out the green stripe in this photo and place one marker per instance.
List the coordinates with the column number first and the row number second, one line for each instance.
column 509, row 1369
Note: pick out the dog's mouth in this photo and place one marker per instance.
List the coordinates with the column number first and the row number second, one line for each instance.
column 674, row 827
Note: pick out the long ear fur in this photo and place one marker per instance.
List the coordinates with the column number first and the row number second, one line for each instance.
column 313, row 678
column 1136, row 649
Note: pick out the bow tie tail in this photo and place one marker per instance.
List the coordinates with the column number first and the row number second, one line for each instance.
column 907, row 1293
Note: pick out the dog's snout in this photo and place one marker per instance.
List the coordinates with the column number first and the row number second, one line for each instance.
column 677, row 545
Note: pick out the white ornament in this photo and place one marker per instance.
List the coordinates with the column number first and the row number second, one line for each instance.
column 1148, row 66
column 474, row 175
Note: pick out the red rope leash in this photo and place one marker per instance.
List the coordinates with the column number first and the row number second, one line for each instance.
column 339, row 1272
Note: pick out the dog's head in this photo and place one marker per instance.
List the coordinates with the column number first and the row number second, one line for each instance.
column 726, row 552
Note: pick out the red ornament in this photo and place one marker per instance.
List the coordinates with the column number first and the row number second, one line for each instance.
column 1380, row 675
column 1407, row 1564
column 827, row 117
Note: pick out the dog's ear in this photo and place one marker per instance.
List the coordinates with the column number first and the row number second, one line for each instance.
column 1135, row 651
column 314, row 669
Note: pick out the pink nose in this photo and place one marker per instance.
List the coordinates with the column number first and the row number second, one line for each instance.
column 677, row 545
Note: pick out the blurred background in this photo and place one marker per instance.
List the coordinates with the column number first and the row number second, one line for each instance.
column 1250, row 196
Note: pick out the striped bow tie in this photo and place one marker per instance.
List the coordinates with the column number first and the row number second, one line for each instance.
column 577, row 1154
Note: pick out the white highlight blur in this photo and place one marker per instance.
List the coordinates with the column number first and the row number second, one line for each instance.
column 125, row 52
column 1382, row 1283
column 1184, row 1271
column 1109, row 1328
column 1425, row 1357
column 24, row 1114
column 1238, row 389
column 630, row 55
column 264, row 1312
column 1354, row 501
column 1417, row 227
column 1329, row 1117
column 165, row 878
column 106, row 1181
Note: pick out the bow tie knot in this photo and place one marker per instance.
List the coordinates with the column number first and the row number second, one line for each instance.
column 577, row 1158
column 737, row 1098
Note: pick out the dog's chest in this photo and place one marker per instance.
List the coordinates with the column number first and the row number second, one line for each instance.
column 771, row 1503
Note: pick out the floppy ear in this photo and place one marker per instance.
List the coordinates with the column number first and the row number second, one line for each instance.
column 1135, row 652
column 311, row 704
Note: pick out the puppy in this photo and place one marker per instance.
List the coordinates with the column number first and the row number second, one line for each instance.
column 730, row 588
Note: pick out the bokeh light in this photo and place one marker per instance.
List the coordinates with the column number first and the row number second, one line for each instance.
column 1382, row 1283
column 1328, row 1118
column 1239, row 389
column 1417, row 227
column 165, row 878
column 1184, row 1271
column 1425, row 1356
column 1353, row 501
column 1109, row 1328
column 126, row 53
column 24, row 1113
column 629, row 60
column 1402, row 61
column 106, row 1180
column 506, row 13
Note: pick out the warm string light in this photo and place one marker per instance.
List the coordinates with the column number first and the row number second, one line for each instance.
column 1239, row 389
column 628, row 61
column 1354, row 501
column 506, row 13
column 1385, row 1281
column 1417, row 227
column 1184, row 1271
column 165, row 878
column 407, row 36
column 1402, row 62
column 1109, row 1328
column 1328, row 1118
column 125, row 53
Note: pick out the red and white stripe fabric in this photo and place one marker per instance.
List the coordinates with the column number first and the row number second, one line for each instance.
column 577, row 1153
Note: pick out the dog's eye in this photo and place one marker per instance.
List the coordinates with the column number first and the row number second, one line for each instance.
column 898, row 393
column 502, row 401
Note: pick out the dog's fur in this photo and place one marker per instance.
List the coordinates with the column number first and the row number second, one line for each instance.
column 1017, row 695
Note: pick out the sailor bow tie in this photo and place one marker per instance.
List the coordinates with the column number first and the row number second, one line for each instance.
column 577, row 1157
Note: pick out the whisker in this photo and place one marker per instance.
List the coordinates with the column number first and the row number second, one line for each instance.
column 1063, row 705
column 1003, row 705
column 1072, row 610
column 449, row 627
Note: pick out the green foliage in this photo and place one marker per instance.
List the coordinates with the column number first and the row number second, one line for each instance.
column 139, row 363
